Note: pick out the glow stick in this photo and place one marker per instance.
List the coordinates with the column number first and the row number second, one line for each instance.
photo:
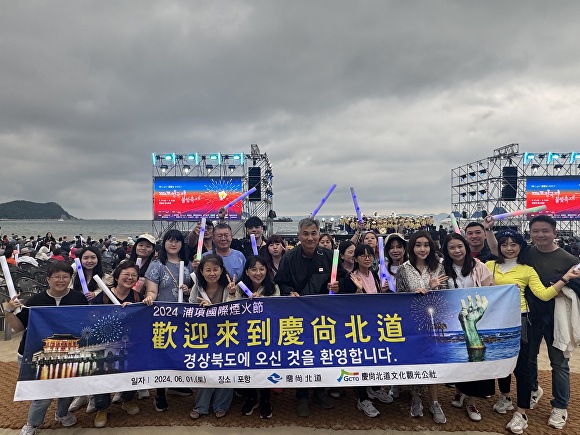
column 382, row 267
column 18, row 248
column 454, row 223
column 254, row 244
column 239, row 198
column 519, row 212
column 106, row 290
column 7, row 277
column 139, row 262
column 323, row 200
column 200, row 239
column 577, row 268
column 334, row 269
column 245, row 288
column 81, row 275
column 180, row 282
column 356, row 207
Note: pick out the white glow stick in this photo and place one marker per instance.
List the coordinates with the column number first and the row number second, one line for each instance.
column 454, row 223
column 106, row 290
column 139, row 262
column 239, row 198
column 519, row 212
column 254, row 244
column 180, row 282
column 200, row 239
column 245, row 288
column 323, row 200
column 81, row 275
column 7, row 277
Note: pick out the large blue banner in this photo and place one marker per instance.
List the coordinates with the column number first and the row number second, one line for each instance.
column 323, row 341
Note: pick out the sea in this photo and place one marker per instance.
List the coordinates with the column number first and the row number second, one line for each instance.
column 121, row 229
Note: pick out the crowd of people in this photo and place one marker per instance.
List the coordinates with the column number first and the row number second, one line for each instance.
column 145, row 270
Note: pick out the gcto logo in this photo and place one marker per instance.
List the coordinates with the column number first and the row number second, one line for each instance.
column 348, row 376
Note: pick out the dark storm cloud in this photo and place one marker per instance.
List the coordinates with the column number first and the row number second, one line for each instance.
column 387, row 97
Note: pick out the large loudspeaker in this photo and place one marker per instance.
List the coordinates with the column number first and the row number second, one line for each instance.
column 510, row 183
column 255, row 180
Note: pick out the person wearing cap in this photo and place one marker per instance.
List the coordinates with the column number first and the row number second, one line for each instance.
column 550, row 262
column 144, row 248
column 509, row 268
column 25, row 257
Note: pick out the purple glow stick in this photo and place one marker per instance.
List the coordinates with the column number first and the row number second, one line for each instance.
column 81, row 275
column 239, row 198
column 245, row 288
column 323, row 200
column 254, row 244
column 180, row 282
column 356, row 207
column 382, row 267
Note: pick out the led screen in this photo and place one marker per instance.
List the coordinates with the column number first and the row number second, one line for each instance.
column 181, row 198
column 561, row 195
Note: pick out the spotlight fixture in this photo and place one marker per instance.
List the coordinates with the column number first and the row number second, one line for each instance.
column 472, row 174
column 232, row 168
column 209, row 167
column 463, row 195
column 558, row 168
column 535, row 168
column 482, row 192
column 186, row 169
column 164, row 168
column 482, row 172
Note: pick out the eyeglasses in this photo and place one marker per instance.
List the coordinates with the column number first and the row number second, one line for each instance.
column 129, row 275
column 367, row 256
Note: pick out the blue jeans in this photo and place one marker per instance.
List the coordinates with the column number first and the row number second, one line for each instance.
column 559, row 363
column 222, row 399
column 38, row 408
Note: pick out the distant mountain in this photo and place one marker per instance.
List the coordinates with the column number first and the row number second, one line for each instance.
column 32, row 210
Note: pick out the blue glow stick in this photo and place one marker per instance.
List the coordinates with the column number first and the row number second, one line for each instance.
column 356, row 207
column 323, row 200
column 245, row 288
column 382, row 267
column 254, row 244
column 81, row 275
column 239, row 198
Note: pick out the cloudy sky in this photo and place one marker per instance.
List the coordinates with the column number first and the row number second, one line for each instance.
column 384, row 96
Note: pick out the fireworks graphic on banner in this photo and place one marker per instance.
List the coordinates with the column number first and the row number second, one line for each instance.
column 429, row 310
column 221, row 191
column 86, row 334
column 108, row 329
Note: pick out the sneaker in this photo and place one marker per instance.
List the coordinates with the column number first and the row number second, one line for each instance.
column 249, row 406
column 266, row 410
column 100, row 419
column 395, row 391
column 558, row 418
column 184, row 392
column 28, row 430
column 416, row 407
column 379, row 394
column 91, row 406
column 324, row 400
column 473, row 412
column 437, row 413
column 535, row 397
column 334, row 393
column 518, row 423
column 143, row 394
column 458, row 400
column 130, row 408
column 67, row 420
column 160, row 403
column 503, row 404
column 78, row 403
column 117, row 398
column 367, row 407
column 302, row 409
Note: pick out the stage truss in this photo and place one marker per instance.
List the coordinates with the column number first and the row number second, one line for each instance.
column 221, row 165
column 476, row 187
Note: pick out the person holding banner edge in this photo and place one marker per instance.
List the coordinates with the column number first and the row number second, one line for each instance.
column 58, row 294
